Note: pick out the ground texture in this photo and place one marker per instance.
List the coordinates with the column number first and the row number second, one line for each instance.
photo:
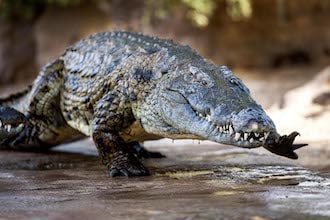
column 195, row 181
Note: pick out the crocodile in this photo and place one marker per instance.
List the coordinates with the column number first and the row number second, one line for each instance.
column 122, row 88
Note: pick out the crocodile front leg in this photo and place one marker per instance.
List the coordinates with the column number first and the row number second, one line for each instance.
column 108, row 120
column 140, row 152
column 115, row 155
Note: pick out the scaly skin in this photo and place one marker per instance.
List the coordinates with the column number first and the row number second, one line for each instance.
column 121, row 87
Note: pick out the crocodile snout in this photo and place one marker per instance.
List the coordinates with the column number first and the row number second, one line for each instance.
column 253, row 119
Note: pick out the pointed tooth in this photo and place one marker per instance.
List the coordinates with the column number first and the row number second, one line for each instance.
column 251, row 140
column 20, row 127
column 266, row 135
column 231, row 130
column 237, row 136
column 1, row 123
column 220, row 129
column 208, row 118
column 256, row 134
column 262, row 138
column 8, row 128
column 246, row 136
column 242, row 139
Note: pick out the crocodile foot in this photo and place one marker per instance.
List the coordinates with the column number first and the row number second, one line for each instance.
column 126, row 165
column 12, row 124
column 284, row 146
column 140, row 152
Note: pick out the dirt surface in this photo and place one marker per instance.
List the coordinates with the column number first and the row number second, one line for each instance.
column 195, row 181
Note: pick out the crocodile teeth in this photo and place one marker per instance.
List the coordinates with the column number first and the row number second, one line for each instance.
column 220, row 129
column 266, row 135
column 208, row 118
column 8, row 128
column 246, row 136
column 256, row 134
column 251, row 140
column 231, row 130
column 237, row 136
column 20, row 127
column 0, row 123
column 262, row 138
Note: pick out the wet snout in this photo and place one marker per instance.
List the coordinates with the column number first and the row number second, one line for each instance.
column 253, row 119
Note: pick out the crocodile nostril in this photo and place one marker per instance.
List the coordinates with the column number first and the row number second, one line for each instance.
column 208, row 111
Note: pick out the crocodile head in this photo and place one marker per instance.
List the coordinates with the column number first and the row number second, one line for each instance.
column 210, row 102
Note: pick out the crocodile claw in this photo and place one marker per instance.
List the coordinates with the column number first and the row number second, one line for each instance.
column 12, row 123
column 127, row 166
column 140, row 152
column 284, row 146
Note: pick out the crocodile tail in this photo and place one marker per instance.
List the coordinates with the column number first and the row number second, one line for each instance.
column 15, row 98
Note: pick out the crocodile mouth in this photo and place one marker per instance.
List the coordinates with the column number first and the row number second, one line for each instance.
column 200, row 123
column 236, row 136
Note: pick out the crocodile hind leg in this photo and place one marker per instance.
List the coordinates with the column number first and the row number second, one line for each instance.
column 42, row 124
column 16, row 131
column 26, row 133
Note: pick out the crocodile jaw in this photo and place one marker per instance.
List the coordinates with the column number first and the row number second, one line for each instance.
column 228, row 129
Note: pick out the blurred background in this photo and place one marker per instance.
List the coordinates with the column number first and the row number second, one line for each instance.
column 280, row 48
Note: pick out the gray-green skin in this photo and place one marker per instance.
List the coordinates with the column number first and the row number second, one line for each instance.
column 121, row 87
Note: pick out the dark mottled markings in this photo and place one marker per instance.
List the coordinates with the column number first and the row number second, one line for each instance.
column 142, row 74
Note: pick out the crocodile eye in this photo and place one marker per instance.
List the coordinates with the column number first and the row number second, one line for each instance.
column 237, row 83
column 164, row 71
column 204, row 82
column 233, row 81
